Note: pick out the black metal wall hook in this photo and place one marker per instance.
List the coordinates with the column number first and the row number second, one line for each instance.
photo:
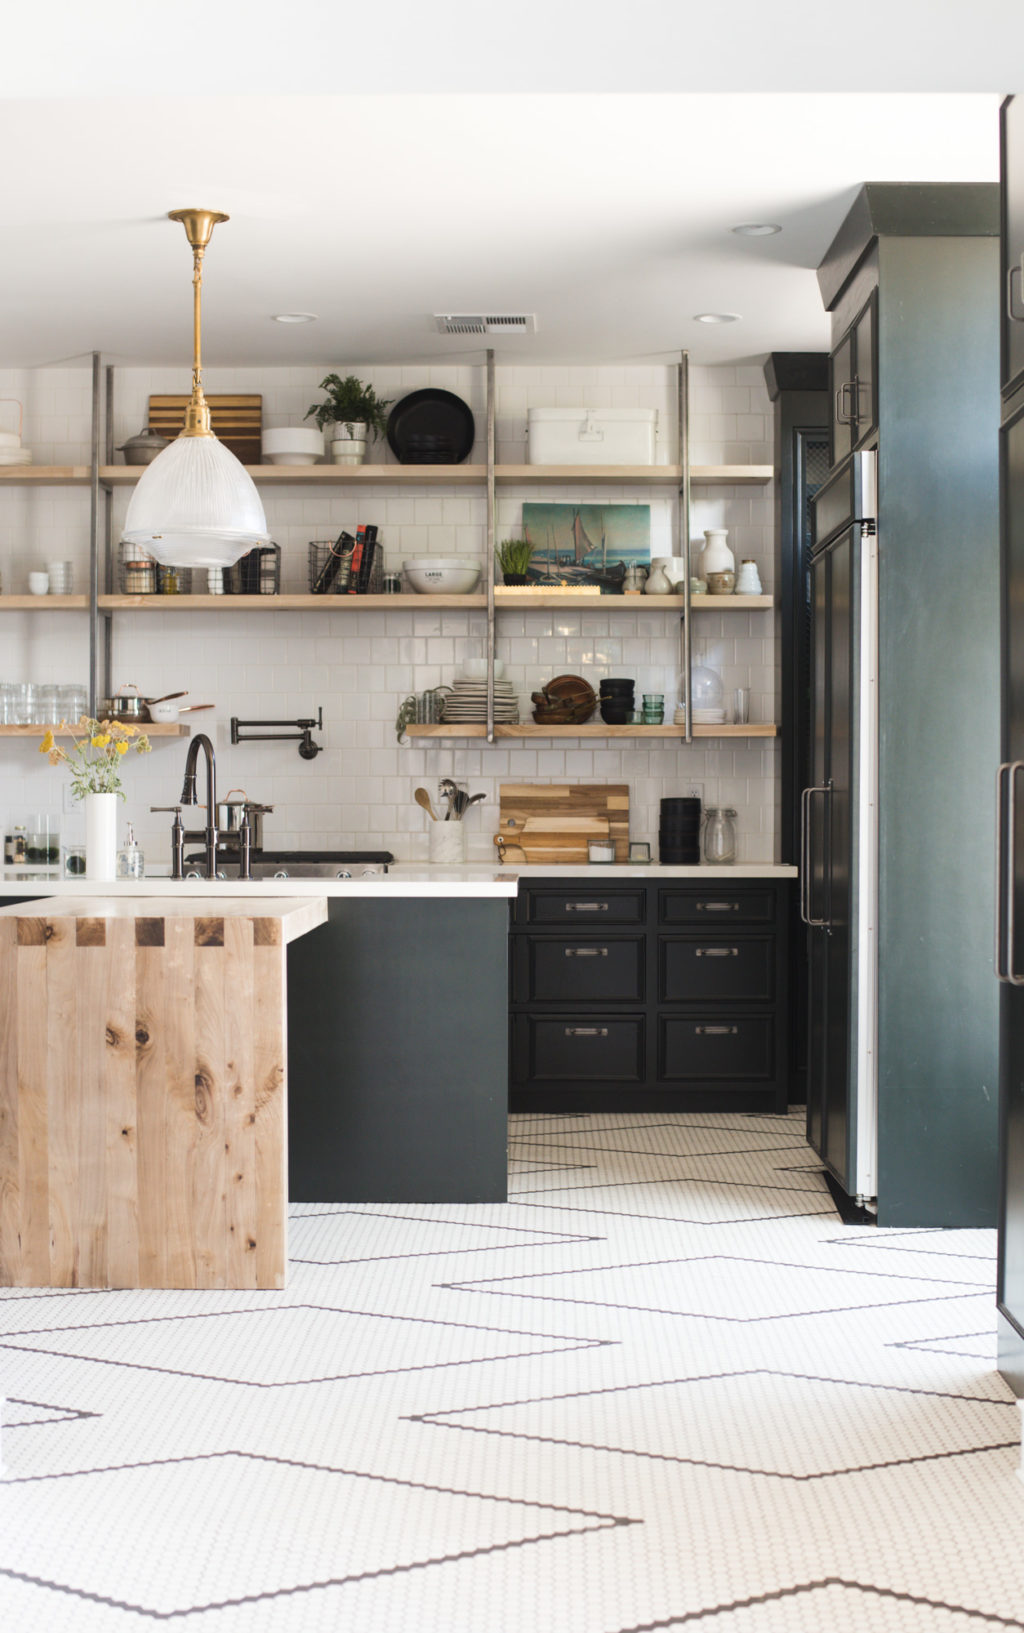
column 303, row 735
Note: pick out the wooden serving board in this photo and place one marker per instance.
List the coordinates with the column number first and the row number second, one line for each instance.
column 236, row 419
column 553, row 822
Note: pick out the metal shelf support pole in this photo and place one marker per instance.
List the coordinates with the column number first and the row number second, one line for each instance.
column 684, row 528
column 94, row 540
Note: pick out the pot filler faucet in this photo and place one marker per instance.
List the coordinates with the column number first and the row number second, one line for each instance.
column 208, row 835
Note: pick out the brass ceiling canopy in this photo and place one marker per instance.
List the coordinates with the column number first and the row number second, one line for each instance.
column 198, row 225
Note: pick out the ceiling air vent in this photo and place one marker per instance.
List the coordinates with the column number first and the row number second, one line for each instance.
column 477, row 323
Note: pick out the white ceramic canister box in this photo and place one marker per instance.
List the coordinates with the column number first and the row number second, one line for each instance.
column 591, row 436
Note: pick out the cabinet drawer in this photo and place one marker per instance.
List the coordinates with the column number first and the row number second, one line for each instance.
column 693, row 969
column 576, row 1049
column 587, row 906
column 580, row 969
column 716, row 905
column 716, row 1047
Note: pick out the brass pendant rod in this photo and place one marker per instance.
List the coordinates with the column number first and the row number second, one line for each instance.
column 198, row 225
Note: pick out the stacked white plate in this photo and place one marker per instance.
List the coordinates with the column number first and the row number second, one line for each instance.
column 701, row 717
column 467, row 703
column 15, row 456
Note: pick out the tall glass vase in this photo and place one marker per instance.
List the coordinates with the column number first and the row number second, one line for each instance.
column 100, row 836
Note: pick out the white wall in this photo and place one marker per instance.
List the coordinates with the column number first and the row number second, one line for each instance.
column 359, row 666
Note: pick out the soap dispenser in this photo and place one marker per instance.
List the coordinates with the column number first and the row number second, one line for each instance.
column 130, row 860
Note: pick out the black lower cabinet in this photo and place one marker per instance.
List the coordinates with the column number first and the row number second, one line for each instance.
column 662, row 996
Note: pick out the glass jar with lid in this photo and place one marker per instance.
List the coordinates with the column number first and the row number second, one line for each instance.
column 719, row 835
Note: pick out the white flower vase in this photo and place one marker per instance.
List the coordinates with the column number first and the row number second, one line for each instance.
column 100, row 836
column 717, row 564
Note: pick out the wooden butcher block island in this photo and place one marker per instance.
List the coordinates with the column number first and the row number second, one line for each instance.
column 143, row 1127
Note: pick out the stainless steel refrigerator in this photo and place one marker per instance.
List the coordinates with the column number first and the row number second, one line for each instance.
column 839, row 831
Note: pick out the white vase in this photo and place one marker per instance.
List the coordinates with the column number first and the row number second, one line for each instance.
column 100, row 836
column 658, row 581
column 716, row 557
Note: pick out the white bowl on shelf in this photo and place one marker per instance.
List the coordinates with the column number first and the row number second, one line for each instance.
column 292, row 445
column 442, row 575
column 163, row 714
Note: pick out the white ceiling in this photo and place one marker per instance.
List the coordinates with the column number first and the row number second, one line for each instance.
column 606, row 211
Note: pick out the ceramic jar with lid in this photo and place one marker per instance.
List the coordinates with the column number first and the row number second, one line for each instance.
column 748, row 579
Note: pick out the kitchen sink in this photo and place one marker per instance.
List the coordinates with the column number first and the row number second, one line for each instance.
column 299, row 865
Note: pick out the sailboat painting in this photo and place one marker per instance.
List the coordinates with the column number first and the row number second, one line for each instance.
column 587, row 544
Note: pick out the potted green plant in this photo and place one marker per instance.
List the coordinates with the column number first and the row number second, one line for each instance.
column 513, row 557
column 351, row 410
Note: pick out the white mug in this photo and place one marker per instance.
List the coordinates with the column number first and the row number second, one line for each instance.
column 38, row 583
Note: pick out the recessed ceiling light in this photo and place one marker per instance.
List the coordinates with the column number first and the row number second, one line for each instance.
column 756, row 229
column 294, row 317
column 716, row 317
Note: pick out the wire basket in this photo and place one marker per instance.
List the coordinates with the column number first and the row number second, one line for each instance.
column 139, row 574
column 258, row 572
column 330, row 567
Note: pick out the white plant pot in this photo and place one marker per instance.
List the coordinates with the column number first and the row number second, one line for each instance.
column 348, row 453
column 100, row 836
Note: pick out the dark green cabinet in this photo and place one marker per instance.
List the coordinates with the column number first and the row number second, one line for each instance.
column 667, row 995
column 1012, row 234
column 853, row 372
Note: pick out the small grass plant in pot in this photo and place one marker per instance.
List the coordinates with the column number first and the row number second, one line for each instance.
column 513, row 556
column 352, row 410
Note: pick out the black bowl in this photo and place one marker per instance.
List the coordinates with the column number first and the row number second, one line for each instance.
column 617, row 688
column 616, row 717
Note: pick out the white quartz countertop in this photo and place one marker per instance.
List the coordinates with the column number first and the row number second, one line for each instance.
column 403, row 880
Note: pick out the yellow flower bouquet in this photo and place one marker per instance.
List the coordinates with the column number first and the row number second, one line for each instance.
column 95, row 756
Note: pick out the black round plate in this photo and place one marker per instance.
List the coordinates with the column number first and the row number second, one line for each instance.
column 431, row 427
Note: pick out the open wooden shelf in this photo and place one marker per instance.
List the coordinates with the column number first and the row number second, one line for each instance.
column 287, row 603
column 598, row 730
column 43, row 603
column 431, row 476
column 524, row 600
column 144, row 731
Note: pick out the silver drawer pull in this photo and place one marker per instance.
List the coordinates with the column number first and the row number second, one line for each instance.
column 718, row 907
column 586, row 907
column 586, row 952
column 716, row 1031
column 586, row 1031
column 718, row 952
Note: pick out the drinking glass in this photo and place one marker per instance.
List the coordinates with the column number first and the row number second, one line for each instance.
column 22, row 700
column 45, row 709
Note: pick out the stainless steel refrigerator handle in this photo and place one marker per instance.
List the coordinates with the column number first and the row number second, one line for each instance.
column 805, row 907
column 1018, row 268
column 1006, row 926
column 803, row 855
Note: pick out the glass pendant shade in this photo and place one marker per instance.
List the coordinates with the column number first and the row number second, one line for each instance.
column 196, row 506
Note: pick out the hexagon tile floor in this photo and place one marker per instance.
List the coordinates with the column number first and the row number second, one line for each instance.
column 664, row 1388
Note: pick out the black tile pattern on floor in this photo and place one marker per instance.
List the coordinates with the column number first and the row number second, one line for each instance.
column 725, row 1410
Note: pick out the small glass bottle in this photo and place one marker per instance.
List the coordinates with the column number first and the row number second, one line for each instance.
column 131, row 864
column 719, row 835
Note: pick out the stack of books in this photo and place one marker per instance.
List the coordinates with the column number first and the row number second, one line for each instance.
column 354, row 565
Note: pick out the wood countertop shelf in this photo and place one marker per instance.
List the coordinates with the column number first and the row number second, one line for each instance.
column 143, row 1090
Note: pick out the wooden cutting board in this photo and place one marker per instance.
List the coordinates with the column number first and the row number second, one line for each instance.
column 236, row 419
column 552, row 822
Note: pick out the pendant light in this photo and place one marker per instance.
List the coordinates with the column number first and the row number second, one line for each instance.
column 196, row 505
